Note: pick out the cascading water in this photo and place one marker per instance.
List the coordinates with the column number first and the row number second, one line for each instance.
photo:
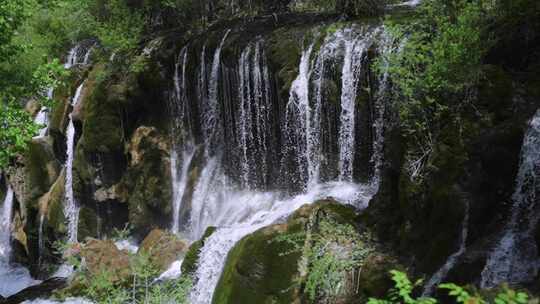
column 71, row 208
column 211, row 119
column 231, row 187
column 437, row 278
column 179, row 181
column 13, row 278
column 42, row 119
column 515, row 258
column 5, row 226
column 355, row 49
column 254, row 97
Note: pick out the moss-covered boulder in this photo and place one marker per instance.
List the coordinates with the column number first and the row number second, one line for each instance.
column 163, row 248
column 273, row 264
column 148, row 180
column 189, row 265
column 104, row 256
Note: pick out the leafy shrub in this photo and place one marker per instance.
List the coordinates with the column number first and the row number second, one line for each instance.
column 403, row 293
column 323, row 250
column 436, row 70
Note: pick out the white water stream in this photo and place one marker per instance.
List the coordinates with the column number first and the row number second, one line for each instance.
column 71, row 207
column 515, row 257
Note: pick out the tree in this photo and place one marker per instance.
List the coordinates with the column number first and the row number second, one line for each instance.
column 16, row 125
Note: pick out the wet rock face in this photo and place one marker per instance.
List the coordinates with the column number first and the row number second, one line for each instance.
column 41, row 167
column 148, row 180
column 163, row 248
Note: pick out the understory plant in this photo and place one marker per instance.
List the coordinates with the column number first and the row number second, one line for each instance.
column 435, row 72
column 403, row 292
column 331, row 253
column 141, row 286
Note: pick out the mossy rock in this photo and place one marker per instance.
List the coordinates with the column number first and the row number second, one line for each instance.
column 261, row 269
column 88, row 223
column 148, row 181
column 102, row 112
column 189, row 266
column 41, row 168
column 496, row 92
column 104, row 256
column 52, row 203
column 163, row 248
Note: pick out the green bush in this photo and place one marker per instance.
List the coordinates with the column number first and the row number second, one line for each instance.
column 403, row 293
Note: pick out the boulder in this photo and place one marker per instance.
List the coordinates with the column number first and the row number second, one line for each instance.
column 263, row 268
column 192, row 255
column 40, row 291
column 102, row 256
column 163, row 248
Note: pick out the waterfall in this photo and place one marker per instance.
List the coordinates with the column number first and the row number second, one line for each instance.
column 254, row 97
column 41, row 243
column 5, row 226
column 354, row 57
column 297, row 129
column 440, row 274
column 71, row 207
column 13, row 278
column 42, row 119
column 182, row 146
column 515, row 258
column 179, row 182
column 258, row 151
column 211, row 120
column 79, row 54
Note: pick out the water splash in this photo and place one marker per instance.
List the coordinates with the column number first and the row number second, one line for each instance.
column 515, row 258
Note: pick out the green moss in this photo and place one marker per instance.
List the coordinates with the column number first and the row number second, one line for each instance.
column 41, row 168
column 192, row 256
column 257, row 272
column 103, row 108
column 88, row 223
column 264, row 268
column 55, row 206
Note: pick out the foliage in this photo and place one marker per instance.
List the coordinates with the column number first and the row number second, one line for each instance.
column 460, row 294
column 20, row 79
column 327, row 265
column 348, row 7
column 122, row 234
column 403, row 293
column 436, row 69
column 16, row 130
column 142, row 286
